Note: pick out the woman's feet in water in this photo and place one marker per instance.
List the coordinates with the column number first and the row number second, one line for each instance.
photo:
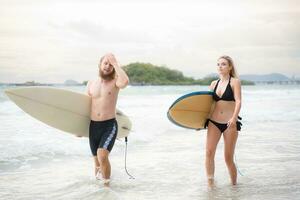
column 210, row 182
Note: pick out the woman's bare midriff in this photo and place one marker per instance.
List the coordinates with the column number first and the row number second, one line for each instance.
column 223, row 111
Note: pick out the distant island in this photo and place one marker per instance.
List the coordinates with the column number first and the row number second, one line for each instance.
column 72, row 82
column 28, row 83
column 267, row 78
column 149, row 74
column 33, row 83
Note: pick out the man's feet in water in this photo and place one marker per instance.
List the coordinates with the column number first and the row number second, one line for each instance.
column 98, row 175
column 106, row 182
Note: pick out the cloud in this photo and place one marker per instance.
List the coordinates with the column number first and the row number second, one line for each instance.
column 66, row 38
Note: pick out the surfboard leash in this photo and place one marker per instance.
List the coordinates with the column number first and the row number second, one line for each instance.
column 237, row 167
column 130, row 176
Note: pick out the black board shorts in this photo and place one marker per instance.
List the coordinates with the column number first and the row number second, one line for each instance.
column 102, row 134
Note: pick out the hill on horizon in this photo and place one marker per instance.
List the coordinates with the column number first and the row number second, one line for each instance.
column 274, row 77
column 149, row 74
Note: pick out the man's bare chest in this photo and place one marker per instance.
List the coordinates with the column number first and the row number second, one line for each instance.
column 103, row 90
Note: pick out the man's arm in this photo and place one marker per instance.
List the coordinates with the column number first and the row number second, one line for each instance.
column 122, row 78
column 87, row 90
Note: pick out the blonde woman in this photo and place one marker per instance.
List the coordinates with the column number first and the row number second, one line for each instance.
column 224, row 118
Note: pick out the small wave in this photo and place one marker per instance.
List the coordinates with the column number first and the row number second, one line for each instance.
column 84, row 188
column 27, row 161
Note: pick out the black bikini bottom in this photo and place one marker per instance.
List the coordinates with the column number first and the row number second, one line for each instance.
column 222, row 127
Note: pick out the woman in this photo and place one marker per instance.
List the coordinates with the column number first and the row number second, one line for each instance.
column 224, row 118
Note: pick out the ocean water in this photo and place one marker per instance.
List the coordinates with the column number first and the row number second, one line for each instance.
column 40, row 162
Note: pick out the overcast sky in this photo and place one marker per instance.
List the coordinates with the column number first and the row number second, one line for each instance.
column 55, row 40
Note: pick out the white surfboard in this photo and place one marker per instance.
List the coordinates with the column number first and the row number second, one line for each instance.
column 62, row 109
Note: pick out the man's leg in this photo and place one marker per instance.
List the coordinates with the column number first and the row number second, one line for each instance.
column 97, row 166
column 105, row 146
column 102, row 155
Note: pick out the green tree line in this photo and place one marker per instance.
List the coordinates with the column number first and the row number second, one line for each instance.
column 148, row 74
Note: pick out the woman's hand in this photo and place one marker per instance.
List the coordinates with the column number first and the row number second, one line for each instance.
column 231, row 122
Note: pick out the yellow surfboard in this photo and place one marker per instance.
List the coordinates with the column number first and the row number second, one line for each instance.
column 191, row 110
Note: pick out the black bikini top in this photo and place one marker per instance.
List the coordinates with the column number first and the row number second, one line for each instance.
column 227, row 95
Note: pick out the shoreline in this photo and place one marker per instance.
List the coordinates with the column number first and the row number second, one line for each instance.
column 142, row 84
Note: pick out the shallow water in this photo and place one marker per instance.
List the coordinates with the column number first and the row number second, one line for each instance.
column 39, row 162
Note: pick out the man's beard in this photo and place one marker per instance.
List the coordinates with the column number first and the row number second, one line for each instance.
column 107, row 77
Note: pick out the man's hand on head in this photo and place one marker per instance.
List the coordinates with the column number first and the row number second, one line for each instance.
column 112, row 59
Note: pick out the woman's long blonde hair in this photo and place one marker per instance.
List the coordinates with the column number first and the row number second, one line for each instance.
column 232, row 72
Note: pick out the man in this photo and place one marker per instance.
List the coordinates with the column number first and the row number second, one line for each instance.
column 103, row 126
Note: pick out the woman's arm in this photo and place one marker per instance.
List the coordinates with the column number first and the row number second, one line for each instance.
column 212, row 86
column 238, row 98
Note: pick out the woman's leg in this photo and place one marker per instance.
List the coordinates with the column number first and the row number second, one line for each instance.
column 212, row 139
column 230, row 138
